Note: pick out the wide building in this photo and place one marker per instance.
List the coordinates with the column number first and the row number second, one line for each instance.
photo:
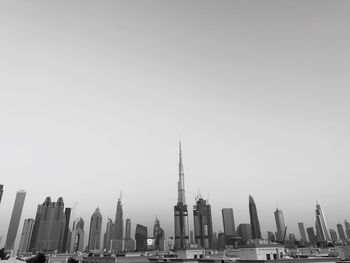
column 254, row 219
column 203, row 226
column 95, row 230
column 281, row 226
column 141, row 237
column 25, row 236
column 15, row 218
column 245, row 232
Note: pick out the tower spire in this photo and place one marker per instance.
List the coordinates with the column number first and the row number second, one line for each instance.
column 181, row 182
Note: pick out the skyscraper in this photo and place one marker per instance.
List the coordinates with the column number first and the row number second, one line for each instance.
column 311, row 235
column 128, row 229
column 180, row 210
column 203, row 226
column 141, row 237
column 254, row 220
column 119, row 224
column 341, row 232
column 95, row 230
column 347, row 228
column 302, row 232
column 228, row 222
column 281, row 226
column 109, row 234
column 67, row 231
column 77, row 238
column 333, row 235
column 158, row 234
column 1, row 191
column 26, row 235
column 15, row 218
column 321, row 225
column 245, row 232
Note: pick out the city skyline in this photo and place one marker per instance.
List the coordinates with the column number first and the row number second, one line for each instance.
column 95, row 98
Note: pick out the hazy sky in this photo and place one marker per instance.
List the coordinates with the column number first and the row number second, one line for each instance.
column 95, row 95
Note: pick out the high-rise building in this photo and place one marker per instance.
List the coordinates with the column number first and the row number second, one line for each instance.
column 347, row 228
column 203, row 226
column 228, row 222
column 1, row 191
column 158, row 234
column 254, row 219
column 50, row 228
column 321, row 225
column 26, row 235
column 281, row 226
column 180, row 211
column 302, row 232
column 15, row 218
column 34, row 236
column 109, row 234
column 245, row 232
column 341, row 232
column 141, row 237
column 311, row 235
column 333, row 235
column 67, row 231
column 119, row 224
column 77, row 238
column 95, row 230
column 128, row 229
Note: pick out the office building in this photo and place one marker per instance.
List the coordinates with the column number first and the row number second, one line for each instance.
column 311, row 235
column 254, row 219
column 15, row 218
column 321, row 225
column 95, row 230
column 77, row 237
column 302, row 232
column 67, row 231
column 25, row 236
column 281, row 226
column 333, row 235
column 180, row 211
column 203, row 226
column 141, row 237
column 119, row 224
column 245, row 232
column 228, row 222
column 109, row 234
column 158, row 234
column 128, row 229
column 341, row 232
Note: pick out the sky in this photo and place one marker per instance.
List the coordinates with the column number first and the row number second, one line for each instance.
column 95, row 96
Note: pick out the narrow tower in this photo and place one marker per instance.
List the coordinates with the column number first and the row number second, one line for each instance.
column 281, row 226
column 254, row 220
column 119, row 224
column 180, row 210
column 321, row 224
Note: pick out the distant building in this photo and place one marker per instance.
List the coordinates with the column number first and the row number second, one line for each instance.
column 119, row 223
column 333, row 234
column 228, row 221
column 254, row 219
column 245, row 232
column 141, row 237
column 109, row 234
column 347, row 228
column 158, row 234
column 281, row 226
column 25, row 236
column 1, row 191
column 95, row 230
column 292, row 238
column 180, row 211
column 128, row 229
column 311, row 235
column 271, row 236
column 302, row 232
column 15, row 218
column 203, row 226
column 77, row 238
column 67, row 231
column 221, row 240
column 321, row 225
column 129, row 245
column 341, row 232
column 261, row 252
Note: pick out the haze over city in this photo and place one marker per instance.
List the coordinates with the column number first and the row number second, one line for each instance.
column 95, row 98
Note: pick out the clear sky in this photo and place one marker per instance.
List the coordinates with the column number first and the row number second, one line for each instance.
column 95, row 95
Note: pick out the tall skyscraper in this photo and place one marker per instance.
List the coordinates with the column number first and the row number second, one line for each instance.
column 180, row 210
column 26, row 235
column 51, row 225
column 119, row 224
column 321, row 225
column 67, row 231
column 302, row 232
column 128, row 229
column 77, row 238
column 1, row 191
column 141, row 237
column 333, row 235
column 341, row 232
column 158, row 234
column 203, row 226
column 281, row 226
column 347, row 228
column 95, row 230
column 109, row 234
column 228, row 222
column 15, row 218
column 254, row 219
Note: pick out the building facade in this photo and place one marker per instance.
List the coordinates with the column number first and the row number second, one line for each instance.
column 245, row 232
column 109, row 234
column 77, row 236
column 128, row 229
column 95, row 231
column 228, row 222
column 26, row 235
column 341, row 232
column 321, row 225
column 158, row 235
column 141, row 237
column 254, row 219
column 203, row 226
column 302, row 232
column 281, row 226
column 119, row 224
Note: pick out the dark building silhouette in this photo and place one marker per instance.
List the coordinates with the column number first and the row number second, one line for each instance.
column 67, row 232
column 302, row 232
column 333, row 234
column 141, row 237
column 34, row 236
column 347, row 228
column 180, row 211
column 109, row 234
column 77, row 239
column 51, row 225
column 158, row 234
column 279, row 224
column 15, row 218
column 254, row 219
column 228, row 222
column 25, row 236
column 341, row 232
column 203, row 226
column 128, row 229
column 95, row 230
column 245, row 232
column 1, row 191
column 119, row 224
column 321, row 225
column 311, row 235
